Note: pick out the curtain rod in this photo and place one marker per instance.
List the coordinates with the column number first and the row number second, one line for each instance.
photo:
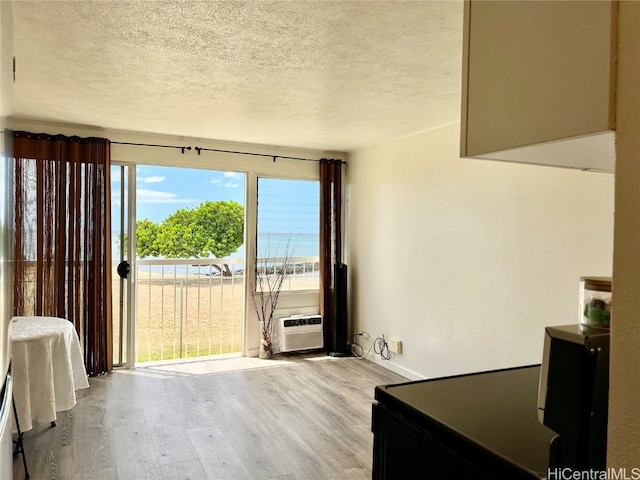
column 274, row 157
column 200, row 149
column 152, row 145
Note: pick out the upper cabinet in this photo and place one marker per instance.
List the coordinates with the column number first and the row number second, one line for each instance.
column 539, row 82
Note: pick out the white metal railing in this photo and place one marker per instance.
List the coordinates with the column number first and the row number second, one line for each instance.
column 195, row 307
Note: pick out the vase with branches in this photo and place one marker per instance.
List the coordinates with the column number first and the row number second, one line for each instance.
column 271, row 271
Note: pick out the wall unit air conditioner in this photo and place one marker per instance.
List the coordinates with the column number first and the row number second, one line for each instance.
column 301, row 332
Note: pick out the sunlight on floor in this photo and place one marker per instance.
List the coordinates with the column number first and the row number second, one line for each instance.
column 216, row 365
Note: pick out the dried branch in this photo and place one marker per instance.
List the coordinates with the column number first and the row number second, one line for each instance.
column 270, row 275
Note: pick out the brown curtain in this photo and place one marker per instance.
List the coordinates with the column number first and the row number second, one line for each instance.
column 63, row 237
column 330, row 238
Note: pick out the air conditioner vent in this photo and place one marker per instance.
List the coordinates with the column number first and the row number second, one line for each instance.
column 302, row 332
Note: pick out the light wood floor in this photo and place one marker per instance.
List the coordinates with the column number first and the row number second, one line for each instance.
column 295, row 417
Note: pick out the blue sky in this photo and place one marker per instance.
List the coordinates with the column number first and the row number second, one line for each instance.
column 163, row 190
column 286, row 207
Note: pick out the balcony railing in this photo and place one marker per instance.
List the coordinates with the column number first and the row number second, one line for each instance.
column 194, row 308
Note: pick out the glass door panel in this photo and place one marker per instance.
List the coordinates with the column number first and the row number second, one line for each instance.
column 120, row 262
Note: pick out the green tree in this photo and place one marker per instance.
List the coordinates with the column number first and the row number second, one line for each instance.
column 210, row 229
column 146, row 235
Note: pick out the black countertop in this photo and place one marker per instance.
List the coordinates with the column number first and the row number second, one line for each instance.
column 496, row 411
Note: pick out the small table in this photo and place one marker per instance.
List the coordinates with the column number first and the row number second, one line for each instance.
column 47, row 368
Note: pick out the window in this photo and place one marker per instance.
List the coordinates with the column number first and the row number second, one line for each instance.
column 288, row 226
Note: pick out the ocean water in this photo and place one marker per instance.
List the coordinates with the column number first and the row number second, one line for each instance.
column 299, row 245
column 274, row 244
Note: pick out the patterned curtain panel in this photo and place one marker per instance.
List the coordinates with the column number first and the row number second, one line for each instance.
column 63, row 237
column 330, row 238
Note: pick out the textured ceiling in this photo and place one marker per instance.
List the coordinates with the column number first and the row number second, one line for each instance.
column 335, row 75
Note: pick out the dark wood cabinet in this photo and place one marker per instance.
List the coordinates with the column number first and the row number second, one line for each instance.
column 481, row 426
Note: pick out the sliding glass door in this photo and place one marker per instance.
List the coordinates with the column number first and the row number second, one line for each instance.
column 122, row 215
column 179, row 263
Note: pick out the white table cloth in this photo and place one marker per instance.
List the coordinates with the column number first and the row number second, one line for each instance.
column 47, row 368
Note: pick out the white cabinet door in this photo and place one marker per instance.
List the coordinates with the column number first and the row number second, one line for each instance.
column 538, row 82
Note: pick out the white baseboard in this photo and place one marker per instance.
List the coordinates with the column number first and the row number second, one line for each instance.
column 388, row 364
column 395, row 368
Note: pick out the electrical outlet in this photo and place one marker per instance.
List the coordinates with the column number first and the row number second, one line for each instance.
column 395, row 345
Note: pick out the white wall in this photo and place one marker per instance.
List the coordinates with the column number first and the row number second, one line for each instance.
column 466, row 261
column 624, row 386
column 6, row 65
column 6, row 152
